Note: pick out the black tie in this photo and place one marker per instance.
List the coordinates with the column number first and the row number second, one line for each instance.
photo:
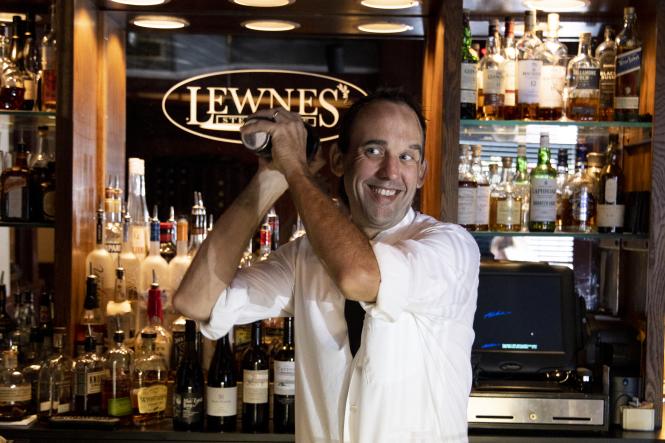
column 354, row 315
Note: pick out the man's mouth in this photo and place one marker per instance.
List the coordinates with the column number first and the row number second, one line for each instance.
column 384, row 192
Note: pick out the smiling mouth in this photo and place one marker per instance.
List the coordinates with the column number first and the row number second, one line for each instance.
column 384, row 192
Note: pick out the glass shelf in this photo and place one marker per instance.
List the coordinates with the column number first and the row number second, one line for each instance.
column 572, row 123
column 10, row 224
column 28, row 114
column 590, row 236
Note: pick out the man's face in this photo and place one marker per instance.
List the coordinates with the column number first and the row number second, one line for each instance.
column 383, row 167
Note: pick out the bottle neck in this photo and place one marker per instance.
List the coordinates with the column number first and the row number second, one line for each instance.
column 256, row 334
column 120, row 290
column 155, row 313
column 543, row 156
column 506, row 173
column 287, row 337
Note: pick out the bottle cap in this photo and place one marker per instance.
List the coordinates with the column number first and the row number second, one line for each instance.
column 136, row 166
column 120, row 272
column 119, row 336
column 148, row 335
column 506, row 162
column 190, row 330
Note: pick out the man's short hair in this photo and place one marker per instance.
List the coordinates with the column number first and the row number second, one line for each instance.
column 395, row 95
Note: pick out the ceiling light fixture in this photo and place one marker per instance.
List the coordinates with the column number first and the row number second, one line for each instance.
column 159, row 22
column 141, row 2
column 384, row 27
column 270, row 25
column 8, row 17
column 558, row 5
column 263, row 3
column 390, row 4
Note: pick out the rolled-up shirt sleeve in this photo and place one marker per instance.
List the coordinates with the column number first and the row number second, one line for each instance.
column 261, row 291
column 426, row 274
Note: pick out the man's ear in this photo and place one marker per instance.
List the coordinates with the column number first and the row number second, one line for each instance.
column 336, row 160
column 422, row 170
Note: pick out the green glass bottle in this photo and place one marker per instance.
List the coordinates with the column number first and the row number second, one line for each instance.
column 542, row 208
column 469, row 87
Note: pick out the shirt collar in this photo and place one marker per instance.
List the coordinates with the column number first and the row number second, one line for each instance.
column 406, row 220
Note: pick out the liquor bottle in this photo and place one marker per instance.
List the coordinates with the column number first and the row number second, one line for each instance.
column 49, row 64
column 137, row 208
column 189, row 386
column 493, row 177
column 163, row 341
column 15, row 392
column 198, row 233
column 30, row 60
column 12, row 92
column 7, row 323
column 553, row 75
column 180, row 263
column 54, row 391
column 255, row 368
column 469, row 72
column 42, row 204
column 582, row 204
column 584, row 83
column 561, row 183
column 542, row 206
column 628, row 69
column 87, row 387
column 149, row 380
column 285, row 387
column 509, row 52
column 221, row 391
column 132, row 266
column 92, row 318
column 482, row 191
column 15, row 187
column 265, row 242
column 100, row 261
column 606, row 54
column 119, row 315
column 27, row 77
column 610, row 208
column 48, row 184
column 116, row 383
column 529, row 69
column 154, row 266
column 113, row 210
column 492, row 68
column 33, row 364
column 167, row 247
column 20, row 338
column 45, row 319
column 467, row 186
column 273, row 220
column 505, row 201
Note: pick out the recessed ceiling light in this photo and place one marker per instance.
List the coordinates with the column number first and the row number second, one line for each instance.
column 390, row 4
column 384, row 27
column 159, row 22
column 270, row 25
column 141, row 2
column 558, row 5
column 263, row 3
column 8, row 17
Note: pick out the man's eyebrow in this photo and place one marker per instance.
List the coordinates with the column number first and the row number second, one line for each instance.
column 374, row 142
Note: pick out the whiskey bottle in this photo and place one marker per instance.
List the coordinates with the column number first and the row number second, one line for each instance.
column 610, row 206
column 492, row 68
column 221, row 390
column 582, row 200
column 54, row 391
column 606, row 54
column 284, row 385
column 561, row 187
column 49, row 64
column 584, row 83
column 154, row 267
column 100, row 261
column 466, row 194
column 15, row 392
column 628, row 69
column 482, row 191
column 505, row 202
column 553, row 75
column 529, row 69
column 116, row 383
column 469, row 72
column 509, row 52
column 161, row 337
column 542, row 207
column 15, row 187
column 149, row 382
column 87, row 388
column 255, row 385
column 189, row 386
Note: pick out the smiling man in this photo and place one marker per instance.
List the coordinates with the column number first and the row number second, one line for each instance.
column 415, row 277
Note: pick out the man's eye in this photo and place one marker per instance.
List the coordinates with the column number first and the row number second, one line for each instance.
column 406, row 157
column 372, row 150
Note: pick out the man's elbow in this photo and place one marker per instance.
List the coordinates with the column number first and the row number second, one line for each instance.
column 359, row 285
column 187, row 308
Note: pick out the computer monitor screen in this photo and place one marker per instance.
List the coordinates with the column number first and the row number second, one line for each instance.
column 526, row 320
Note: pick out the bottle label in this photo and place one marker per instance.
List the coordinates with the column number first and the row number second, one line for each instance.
column 582, row 203
column 543, row 200
column 48, row 205
column 528, row 81
column 466, row 206
column 285, row 378
column 610, row 216
column 611, row 190
column 29, row 86
column 482, row 216
column 509, row 83
column 255, row 386
column 47, row 406
column 93, row 382
column 138, row 241
column 508, row 212
column 13, row 190
column 151, row 399
column 492, row 81
column 626, row 102
column 63, row 407
column 188, row 407
column 469, row 82
column 15, row 393
column 607, row 81
column 551, row 86
column 588, row 79
column 221, row 402
column 629, row 61
column 119, row 407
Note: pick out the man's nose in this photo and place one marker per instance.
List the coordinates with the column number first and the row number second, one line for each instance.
column 389, row 168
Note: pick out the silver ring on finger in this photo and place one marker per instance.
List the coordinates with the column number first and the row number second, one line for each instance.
column 275, row 114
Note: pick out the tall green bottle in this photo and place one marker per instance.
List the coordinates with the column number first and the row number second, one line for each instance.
column 542, row 208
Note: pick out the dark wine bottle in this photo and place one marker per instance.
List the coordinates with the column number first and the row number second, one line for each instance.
column 189, row 385
column 255, row 385
column 221, row 392
column 284, row 406
column 610, row 208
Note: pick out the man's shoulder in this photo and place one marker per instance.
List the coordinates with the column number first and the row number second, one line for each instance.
column 429, row 224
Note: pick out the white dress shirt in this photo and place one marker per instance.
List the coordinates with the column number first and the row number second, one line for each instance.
column 411, row 377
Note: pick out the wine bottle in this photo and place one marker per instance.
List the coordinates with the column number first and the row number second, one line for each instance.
column 255, row 385
column 189, row 385
column 221, row 392
column 285, row 386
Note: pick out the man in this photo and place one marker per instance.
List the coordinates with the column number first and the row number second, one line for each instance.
column 415, row 277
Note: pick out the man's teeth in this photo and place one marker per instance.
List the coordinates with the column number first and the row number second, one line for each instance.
column 384, row 192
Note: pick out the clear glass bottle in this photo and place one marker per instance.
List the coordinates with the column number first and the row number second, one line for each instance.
column 628, row 69
column 15, row 392
column 466, row 194
column 116, row 383
column 606, row 54
column 132, row 266
column 505, row 202
column 27, row 77
column 482, row 191
column 542, row 205
column 137, row 208
column 529, row 69
column 494, row 176
column 15, row 187
column 553, row 75
column 610, row 208
column 265, row 242
column 119, row 315
column 154, row 267
column 582, row 202
column 163, row 340
column 40, row 178
column 584, row 83
column 113, row 211
column 522, row 183
column 273, row 220
column 149, row 382
column 30, row 64
column 92, row 318
column 54, row 393
column 167, row 247
column 469, row 74
column 198, row 231
column 180, row 263
column 100, row 262
column 561, row 181
column 491, row 67
column 509, row 53
column 49, row 65
column 221, row 390
column 87, row 374
column 35, row 358
column 12, row 90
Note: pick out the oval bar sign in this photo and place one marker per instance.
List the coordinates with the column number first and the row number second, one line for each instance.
column 215, row 105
